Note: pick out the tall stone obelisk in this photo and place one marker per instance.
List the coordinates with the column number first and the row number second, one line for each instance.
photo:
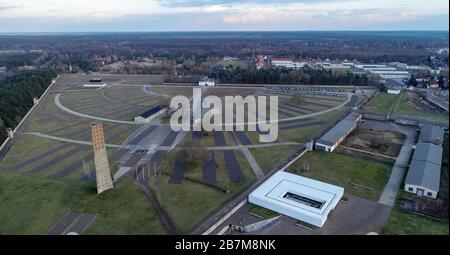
column 102, row 171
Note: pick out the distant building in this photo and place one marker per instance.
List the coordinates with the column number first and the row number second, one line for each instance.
column 409, row 67
column 26, row 68
column 384, row 71
column 228, row 59
column 286, row 63
column 424, row 174
column 391, row 74
column 206, row 82
column 338, row 133
column 150, row 114
column 395, row 86
column 2, row 69
column 260, row 62
column 335, row 65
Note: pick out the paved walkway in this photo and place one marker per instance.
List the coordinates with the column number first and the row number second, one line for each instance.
column 165, row 219
column 62, row 107
column 162, row 148
column 367, row 152
column 148, row 90
column 250, row 159
column 391, row 189
column 72, row 222
column 67, row 140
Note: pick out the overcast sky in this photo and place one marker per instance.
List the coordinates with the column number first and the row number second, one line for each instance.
column 220, row 15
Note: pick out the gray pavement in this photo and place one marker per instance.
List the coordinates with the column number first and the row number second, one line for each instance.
column 357, row 216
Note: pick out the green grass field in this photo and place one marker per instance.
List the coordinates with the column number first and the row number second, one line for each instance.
column 343, row 170
column 33, row 204
column 190, row 202
column 269, row 158
column 263, row 212
column 386, row 103
column 405, row 108
column 383, row 102
column 401, row 223
column 304, row 134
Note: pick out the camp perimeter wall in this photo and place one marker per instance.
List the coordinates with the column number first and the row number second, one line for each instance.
column 3, row 146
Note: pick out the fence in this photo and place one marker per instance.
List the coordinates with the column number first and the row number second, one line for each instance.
column 4, row 144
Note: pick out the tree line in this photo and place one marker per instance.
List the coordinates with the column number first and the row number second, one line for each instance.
column 282, row 76
column 16, row 95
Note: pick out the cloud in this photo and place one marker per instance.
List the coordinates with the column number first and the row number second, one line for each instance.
column 220, row 14
column 203, row 3
column 4, row 6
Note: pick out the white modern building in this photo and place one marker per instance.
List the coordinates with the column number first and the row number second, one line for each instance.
column 298, row 197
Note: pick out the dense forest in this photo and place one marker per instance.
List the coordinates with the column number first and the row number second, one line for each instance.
column 83, row 51
column 279, row 76
column 16, row 95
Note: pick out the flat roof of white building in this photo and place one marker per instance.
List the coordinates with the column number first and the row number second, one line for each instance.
column 298, row 197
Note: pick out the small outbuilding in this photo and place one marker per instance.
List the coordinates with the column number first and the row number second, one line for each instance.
column 206, row 82
column 150, row 114
column 338, row 133
column 424, row 174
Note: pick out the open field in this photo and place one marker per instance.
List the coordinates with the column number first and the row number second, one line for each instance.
column 405, row 103
column 45, row 167
column 345, row 171
column 387, row 143
column 32, row 205
column 408, row 107
column 269, row 158
column 383, row 102
column 191, row 201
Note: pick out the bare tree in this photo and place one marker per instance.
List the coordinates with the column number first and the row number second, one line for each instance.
column 194, row 153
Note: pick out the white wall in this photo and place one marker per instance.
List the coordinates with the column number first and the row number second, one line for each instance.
column 425, row 192
column 327, row 147
column 393, row 91
column 140, row 119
